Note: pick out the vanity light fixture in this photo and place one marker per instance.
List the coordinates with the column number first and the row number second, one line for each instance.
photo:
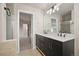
column 8, row 12
column 54, row 8
column 50, row 10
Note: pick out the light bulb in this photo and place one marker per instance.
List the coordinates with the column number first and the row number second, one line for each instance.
column 57, row 8
column 48, row 12
column 53, row 10
column 51, row 30
column 71, row 22
column 50, row 9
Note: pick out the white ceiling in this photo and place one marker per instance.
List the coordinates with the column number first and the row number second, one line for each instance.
column 40, row 5
column 65, row 7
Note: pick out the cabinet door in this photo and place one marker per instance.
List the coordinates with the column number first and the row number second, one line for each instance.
column 47, row 46
column 68, row 48
column 38, row 41
column 56, row 49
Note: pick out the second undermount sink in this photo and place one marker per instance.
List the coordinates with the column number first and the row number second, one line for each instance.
column 59, row 38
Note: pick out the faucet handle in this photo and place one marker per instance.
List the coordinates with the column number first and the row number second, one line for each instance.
column 64, row 35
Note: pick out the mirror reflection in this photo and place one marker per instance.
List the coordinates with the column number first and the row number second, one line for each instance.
column 59, row 19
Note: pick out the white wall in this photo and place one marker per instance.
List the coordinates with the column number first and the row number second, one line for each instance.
column 76, row 27
column 2, row 22
column 47, row 21
column 37, row 20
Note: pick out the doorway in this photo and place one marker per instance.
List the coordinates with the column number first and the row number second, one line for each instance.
column 25, row 31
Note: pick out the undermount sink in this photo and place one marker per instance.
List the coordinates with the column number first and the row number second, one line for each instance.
column 59, row 38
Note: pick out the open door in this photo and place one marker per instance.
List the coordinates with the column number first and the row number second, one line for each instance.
column 25, row 28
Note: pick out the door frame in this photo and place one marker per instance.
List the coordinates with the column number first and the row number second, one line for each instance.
column 32, row 29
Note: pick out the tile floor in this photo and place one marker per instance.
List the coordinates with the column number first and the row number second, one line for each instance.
column 29, row 52
column 9, row 49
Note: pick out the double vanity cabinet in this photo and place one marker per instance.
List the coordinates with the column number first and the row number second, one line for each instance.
column 51, row 46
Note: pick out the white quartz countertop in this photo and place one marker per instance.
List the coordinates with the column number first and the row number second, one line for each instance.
column 58, row 38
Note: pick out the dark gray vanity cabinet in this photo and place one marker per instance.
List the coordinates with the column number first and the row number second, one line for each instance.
column 52, row 47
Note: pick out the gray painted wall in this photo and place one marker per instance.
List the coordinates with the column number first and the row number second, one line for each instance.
column 9, row 28
column 9, row 20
